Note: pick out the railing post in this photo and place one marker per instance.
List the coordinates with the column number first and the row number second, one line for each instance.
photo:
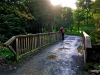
column 49, row 37
column 40, row 39
column 86, row 44
column 17, row 56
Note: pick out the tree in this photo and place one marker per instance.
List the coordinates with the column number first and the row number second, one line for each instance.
column 42, row 11
column 79, row 18
column 83, row 15
column 13, row 18
column 67, row 16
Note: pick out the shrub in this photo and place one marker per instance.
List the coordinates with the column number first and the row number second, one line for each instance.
column 7, row 54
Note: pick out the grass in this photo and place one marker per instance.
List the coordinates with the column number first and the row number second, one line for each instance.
column 7, row 54
column 5, row 51
column 74, row 33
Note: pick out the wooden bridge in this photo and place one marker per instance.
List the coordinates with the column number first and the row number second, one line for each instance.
column 23, row 45
column 62, row 54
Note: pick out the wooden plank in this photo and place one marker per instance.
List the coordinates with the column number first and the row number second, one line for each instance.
column 10, row 40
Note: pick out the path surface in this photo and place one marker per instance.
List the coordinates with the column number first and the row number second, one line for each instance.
column 61, row 58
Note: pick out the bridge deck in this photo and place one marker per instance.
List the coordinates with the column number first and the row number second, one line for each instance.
column 61, row 58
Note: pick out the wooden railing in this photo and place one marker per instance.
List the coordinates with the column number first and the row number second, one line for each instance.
column 86, row 41
column 23, row 45
column 86, row 44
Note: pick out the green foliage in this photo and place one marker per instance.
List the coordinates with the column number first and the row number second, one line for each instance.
column 5, row 52
column 93, row 39
column 73, row 32
column 54, row 30
column 10, row 26
column 67, row 18
column 97, row 66
column 2, row 38
column 96, row 35
column 37, row 16
column 14, row 19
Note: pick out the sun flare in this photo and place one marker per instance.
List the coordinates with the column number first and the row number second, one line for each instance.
column 55, row 2
column 64, row 3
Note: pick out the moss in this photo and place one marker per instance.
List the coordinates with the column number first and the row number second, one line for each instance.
column 80, row 49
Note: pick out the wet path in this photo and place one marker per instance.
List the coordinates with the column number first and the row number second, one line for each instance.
column 61, row 58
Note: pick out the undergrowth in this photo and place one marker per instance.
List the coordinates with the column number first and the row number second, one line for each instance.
column 6, row 55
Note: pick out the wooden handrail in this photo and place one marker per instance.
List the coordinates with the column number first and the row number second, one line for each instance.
column 86, row 44
column 9, row 41
column 26, row 44
column 86, row 41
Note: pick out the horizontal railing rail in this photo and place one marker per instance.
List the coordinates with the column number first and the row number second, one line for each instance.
column 22, row 45
column 86, row 41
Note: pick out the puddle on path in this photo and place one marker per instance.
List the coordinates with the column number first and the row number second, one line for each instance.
column 52, row 57
column 63, row 48
column 67, row 43
column 71, row 38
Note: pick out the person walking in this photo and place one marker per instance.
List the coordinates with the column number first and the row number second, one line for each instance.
column 62, row 30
